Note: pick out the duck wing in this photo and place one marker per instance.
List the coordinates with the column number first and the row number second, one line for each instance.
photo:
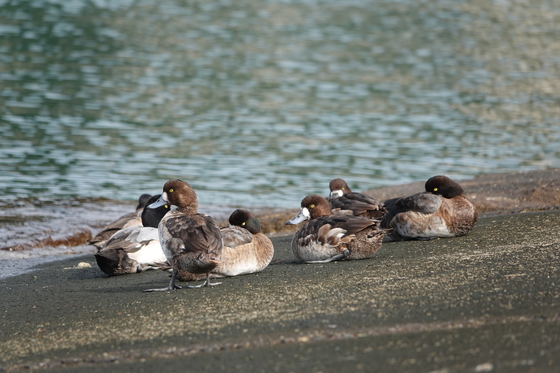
column 199, row 233
column 127, row 220
column 426, row 203
column 236, row 236
column 423, row 202
column 362, row 198
column 131, row 239
column 349, row 223
column 360, row 205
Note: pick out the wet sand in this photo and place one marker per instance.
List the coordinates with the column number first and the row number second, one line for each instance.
column 63, row 228
column 489, row 301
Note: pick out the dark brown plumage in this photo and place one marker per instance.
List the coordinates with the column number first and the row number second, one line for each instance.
column 327, row 237
column 342, row 197
column 245, row 250
column 190, row 241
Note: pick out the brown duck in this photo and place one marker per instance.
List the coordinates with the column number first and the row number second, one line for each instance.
column 190, row 241
column 327, row 237
column 245, row 251
column 360, row 204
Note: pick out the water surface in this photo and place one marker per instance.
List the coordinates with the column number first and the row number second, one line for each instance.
column 258, row 103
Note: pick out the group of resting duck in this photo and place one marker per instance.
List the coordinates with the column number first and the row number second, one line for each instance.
column 168, row 232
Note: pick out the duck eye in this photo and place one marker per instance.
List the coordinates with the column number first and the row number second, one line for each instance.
column 342, row 188
column 435, row 189
column 243, row 223
column 171, row 190
column 312, row 206
column 166, row 206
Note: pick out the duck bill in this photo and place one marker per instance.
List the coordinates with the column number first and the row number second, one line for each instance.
column 302, row 216
column 336, row 193
column 161, row 201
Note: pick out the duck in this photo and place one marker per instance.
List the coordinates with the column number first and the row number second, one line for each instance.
column 134, row 249
column 342, row 197
column 328, row 237
column 190, row 241
column 442, row 210
column 245, row 249
column 128, row 220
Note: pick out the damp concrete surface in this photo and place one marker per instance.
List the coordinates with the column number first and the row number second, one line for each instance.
column 487, row 302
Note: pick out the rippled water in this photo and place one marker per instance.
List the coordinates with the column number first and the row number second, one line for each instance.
column 257, row 103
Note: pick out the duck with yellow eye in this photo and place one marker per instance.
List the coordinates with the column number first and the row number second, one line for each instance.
column 441, row 211
column 190, row 241
column 343, row 198
column 327, row 237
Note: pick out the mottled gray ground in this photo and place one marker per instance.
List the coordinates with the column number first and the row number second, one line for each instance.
column 489, row 301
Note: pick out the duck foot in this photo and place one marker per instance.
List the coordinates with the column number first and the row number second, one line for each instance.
column 146, row 268
column 206, row 283
column 171, row 286
column 164, row 289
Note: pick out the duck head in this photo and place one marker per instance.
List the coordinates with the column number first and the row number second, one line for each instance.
column 179, row 195
column 338, row 188
column 152, row 216
column 245, row 219
column 312, row 207
column 443, row 186
column 143, row 200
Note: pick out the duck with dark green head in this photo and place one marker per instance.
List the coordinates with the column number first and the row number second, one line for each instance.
column 441, row 211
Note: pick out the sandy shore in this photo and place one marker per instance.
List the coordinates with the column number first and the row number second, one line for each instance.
column 489, row 301
column 66, row 227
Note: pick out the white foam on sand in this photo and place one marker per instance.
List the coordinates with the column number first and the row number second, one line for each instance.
column 15, row 263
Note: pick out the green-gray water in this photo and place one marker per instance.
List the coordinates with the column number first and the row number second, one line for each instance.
column 257, row 103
